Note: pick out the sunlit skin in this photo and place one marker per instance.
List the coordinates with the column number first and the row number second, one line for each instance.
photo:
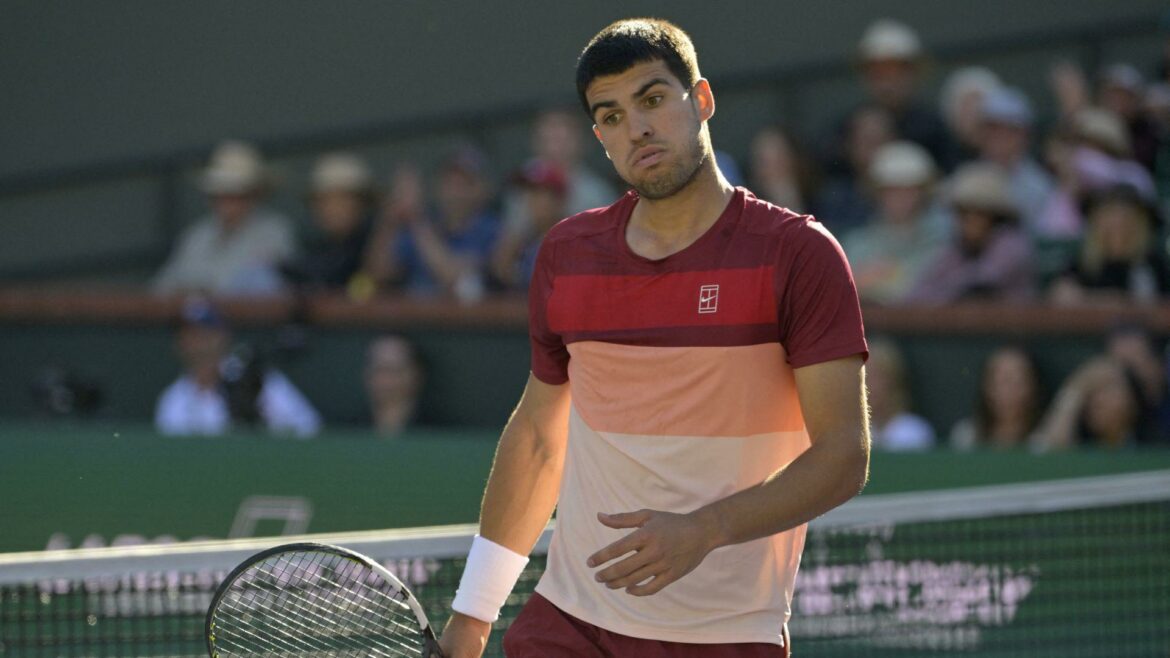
column 654, row 131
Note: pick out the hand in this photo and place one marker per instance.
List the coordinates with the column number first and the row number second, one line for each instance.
column 406, row 200
column 665, row 547
column 464, row 637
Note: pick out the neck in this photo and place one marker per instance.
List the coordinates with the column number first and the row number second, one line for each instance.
column 661, row 227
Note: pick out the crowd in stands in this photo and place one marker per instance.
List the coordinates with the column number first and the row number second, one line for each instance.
column 973, row 195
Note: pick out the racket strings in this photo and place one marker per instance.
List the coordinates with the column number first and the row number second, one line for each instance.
column 328, row 630
column 289, row 605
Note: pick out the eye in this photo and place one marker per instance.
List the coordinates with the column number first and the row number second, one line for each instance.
column 611, row 119
column 653, row 101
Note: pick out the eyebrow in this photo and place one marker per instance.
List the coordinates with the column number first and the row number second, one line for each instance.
column 637, row 94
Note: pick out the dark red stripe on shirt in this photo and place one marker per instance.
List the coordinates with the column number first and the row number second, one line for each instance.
column 728, row 336
column 588, row 303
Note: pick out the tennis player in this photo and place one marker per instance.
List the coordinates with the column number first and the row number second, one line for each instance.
column 696, row 395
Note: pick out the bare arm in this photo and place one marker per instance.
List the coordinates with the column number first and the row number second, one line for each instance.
column 446, row 265
column 521, row 491
column 834, row 469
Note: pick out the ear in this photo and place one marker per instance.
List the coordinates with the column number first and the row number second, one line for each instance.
column 597, row 134
column 704, row 99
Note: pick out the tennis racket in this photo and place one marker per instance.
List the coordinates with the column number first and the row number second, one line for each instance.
column 317, row 600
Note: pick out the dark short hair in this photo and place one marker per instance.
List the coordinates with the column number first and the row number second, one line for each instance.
column 622, row 44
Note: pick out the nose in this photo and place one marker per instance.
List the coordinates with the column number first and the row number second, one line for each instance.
column 638, row 126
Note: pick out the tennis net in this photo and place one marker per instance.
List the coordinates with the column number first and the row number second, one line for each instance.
column 1066, row 568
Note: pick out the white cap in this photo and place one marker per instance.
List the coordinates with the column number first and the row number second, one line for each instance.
column 234, row 168
column 964, row 81
column 1103, row 129
column 889, row 39
column 901, row 164
column 341, row 171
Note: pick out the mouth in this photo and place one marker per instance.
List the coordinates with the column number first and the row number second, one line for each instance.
column 647, row 156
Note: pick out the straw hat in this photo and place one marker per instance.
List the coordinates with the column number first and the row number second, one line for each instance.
column 1007, row 105
column 901, row 164
column 889, row 39
column 344, row 172
column 1103, row 129
column 983, row 186
column 234, row 168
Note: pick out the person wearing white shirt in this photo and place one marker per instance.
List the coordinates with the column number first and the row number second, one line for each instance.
column 197, row 403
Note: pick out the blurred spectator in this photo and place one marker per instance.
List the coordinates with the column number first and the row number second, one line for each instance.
column 543, row 187
column 989, row 256
column 444, row 252
column 1008, row 403
column 556, row 139
column 237, row 248
column 1097, row 405
column 1121, row 92
column 1132, row 346
column 889, row 253
column 963, row 95
column 222, row 388
column 895, row 428
column 892, row 62
column 1157, row 106
column 341, row 202
column 394, row 380
column 846, row 199
column 1005, row 134
column 1092, row 154
column 780, row 173
column 1120, row 258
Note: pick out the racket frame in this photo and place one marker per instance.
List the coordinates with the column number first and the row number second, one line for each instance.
column 431, row 642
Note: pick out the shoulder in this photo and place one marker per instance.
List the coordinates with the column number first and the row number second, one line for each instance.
column 792, row 239
column 178, row 391
column 271, row 221
column 592, row 222
column 760, row 217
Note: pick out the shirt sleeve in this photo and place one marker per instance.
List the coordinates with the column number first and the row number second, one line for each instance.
column 820, row 316
column 285, row 409
column 550, row 358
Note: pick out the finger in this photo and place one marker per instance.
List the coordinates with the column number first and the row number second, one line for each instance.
column 625, row 519
column 638, row 576
column 630, row 542
column 654, row 586
column 623, row 568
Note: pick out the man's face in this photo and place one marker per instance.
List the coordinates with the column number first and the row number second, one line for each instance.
column 460, row 195
column 651, row 126
column 337, row 212
column 232, row 209
column 1003, row 142
column 890, row 82
column 556, row 138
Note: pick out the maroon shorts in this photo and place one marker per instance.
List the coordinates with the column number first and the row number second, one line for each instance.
column 543, row 631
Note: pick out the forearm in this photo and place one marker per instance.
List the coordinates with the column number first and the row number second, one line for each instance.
column 525, row 480
column 446, row 266
column 821, row 478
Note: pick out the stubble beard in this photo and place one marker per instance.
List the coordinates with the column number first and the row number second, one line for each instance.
column 676, row 177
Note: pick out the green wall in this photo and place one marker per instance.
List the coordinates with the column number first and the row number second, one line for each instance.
column 102, row 480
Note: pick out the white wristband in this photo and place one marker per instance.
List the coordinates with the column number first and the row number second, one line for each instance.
column 491, row 573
